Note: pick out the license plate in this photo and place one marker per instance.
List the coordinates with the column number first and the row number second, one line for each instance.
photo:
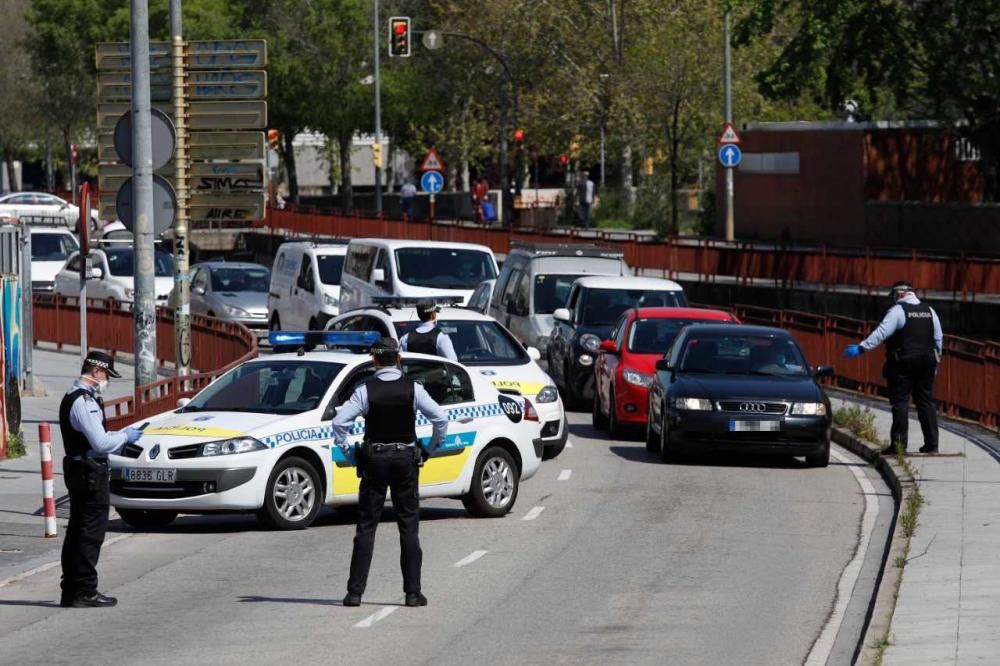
column 149, row 475
column 735, row 425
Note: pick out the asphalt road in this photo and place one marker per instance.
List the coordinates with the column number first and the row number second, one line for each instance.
column 608, row 557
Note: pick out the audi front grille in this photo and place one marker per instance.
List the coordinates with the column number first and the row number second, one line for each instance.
column 753, row 407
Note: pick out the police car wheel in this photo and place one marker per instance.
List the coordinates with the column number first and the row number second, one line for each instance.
column 599, row 420
column 494, row 484
column 142, row 519
column 292, row 499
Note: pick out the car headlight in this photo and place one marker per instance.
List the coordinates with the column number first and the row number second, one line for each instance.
column 226, row 447
column 809, row 409
column 129, row 294
column 693, row 404
column 330, row 301
column 586, row 359
column 590, row 342
column 636, row 378
column 547, row 394
column 235, row 311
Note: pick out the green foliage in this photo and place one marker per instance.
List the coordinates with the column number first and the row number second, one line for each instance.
column 858, row 419
column 15, row 445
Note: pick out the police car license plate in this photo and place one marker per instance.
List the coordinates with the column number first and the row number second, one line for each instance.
column 736, row 425
column 149, row 475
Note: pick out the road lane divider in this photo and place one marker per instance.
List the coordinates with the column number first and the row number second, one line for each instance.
column 469, row 559
column 377, row 616
column 534, row 513
column 565, row 474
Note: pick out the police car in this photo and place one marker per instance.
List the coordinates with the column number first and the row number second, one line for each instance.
column 484, row 346
column 260, row 439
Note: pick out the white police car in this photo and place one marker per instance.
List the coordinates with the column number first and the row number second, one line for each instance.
column 484, row 346
column 260, row 439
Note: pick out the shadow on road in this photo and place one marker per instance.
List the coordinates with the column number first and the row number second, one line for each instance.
column 720, row 459
column 20, row 602
column 317, row 602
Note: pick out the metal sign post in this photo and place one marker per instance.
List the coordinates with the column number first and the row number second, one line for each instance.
column 182, row 284
column 84, row 267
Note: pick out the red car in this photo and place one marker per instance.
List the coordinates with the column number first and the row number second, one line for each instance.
column 626, row 364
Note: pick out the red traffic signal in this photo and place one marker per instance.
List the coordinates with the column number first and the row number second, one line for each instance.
column 399, row 37
column 564, row 159
column 273, row 138
column 519, row 135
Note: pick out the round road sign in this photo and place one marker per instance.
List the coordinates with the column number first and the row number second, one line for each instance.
column 164, row 205
column 163, row 134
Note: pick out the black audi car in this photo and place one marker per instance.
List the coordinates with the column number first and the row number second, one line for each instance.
column 741, row 388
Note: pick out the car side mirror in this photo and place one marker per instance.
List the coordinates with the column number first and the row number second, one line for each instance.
column 96, row 273
column 609, row 347
column 561, row 314
column 663, row 365
column 823, row 371
column 378, row 275
column 329, row 412
column 198, row 290
column 183, row 402
column 534, row 354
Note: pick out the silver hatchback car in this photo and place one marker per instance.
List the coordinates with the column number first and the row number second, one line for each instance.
column 235, row 291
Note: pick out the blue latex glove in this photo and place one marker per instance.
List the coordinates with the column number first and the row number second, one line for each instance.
column 133, row 435
column 853, row 351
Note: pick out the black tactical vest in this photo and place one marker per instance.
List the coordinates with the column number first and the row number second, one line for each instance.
column 390, row 417
column 917, row 335
column 75, row 442
column 423, row 343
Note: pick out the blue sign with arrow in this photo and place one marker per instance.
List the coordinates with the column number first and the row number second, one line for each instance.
column 431, row 182
column 730, row 155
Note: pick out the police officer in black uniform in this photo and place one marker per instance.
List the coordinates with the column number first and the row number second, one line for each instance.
column 913, row 341
column 428, row 338
column 85, row 471
column 388, row 459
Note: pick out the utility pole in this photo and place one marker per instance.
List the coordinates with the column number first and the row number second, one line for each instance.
column 378, row 112
column 182, row 282
column 144, row 306
column 730, row 217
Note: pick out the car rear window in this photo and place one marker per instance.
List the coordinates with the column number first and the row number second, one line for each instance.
column 655, row 336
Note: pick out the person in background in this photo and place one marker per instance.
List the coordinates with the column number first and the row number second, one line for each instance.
column 428, row 338
column 407, row 195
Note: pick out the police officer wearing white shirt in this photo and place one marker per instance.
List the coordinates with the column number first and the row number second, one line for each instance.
column 913, row 341
column 428, row 338
column 85, row 471
column 389, row 459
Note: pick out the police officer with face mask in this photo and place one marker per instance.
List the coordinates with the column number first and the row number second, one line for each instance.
column 85, row 471
column 428, row 338
column 913, row 341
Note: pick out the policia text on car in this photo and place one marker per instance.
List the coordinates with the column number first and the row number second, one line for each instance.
column 913, row 341
column 389, row 458
column 85, row 470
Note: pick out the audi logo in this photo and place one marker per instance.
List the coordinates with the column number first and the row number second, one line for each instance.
column 753, row 407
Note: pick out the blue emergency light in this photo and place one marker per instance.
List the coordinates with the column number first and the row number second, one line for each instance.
column 329, row 338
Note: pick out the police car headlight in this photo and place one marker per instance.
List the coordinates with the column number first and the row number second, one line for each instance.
column 226, row 447
column 547, row 394
column 234, row 311
column 636, row 378
column 693, row 404
column 590, row 342
column 809, row 409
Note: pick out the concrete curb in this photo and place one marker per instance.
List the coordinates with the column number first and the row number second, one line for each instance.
column 902, row 485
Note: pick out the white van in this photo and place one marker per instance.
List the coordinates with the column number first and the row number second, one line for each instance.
column 375, row 267
column 305, row 286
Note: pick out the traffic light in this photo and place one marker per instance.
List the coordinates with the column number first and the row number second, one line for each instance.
column 399, row 37
column 273, row 138
column 74, row 155
column 377, row 154
column 564, row 160
column 519, row 136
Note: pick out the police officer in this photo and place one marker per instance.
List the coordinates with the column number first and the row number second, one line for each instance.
column 913, row 341
column 389, row 458
column 85, row 470
column 428, row 338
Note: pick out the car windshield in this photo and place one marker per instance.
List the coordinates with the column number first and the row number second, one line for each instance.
column 655, row 336
column 270, row 387
column 602, row 307
column 121, row 262
column 737, row 354
column 52, row 247
column 233, row 279
column 551, row 292
column 444, row 268
column 477, row 342
column 330, row 268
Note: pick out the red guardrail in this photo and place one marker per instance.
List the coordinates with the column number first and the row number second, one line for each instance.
column 216, row 346
column 866, row 268
column 967, row 386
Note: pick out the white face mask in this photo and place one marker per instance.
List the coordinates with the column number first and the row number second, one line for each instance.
column 102, row 385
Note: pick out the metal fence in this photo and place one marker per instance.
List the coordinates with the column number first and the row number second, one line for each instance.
column 216, row 346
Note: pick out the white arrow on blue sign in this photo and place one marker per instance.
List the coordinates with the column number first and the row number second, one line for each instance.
column 730, row 155
column 431, row 182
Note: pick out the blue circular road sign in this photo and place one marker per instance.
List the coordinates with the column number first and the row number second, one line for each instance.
column 730, row 155
column 431, row 182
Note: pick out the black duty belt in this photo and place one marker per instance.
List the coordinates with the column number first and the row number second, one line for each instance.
column 102, row 461
column 393, row 446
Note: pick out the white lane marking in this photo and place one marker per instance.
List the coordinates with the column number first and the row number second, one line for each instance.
column 469, row 559
column 820, row 652
column 51, row 565
column 534, row 513
column 377, row 616
column 565, row 474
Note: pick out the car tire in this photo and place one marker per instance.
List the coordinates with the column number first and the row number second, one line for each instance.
column 275, row 324
column 599, row 420
column 821, row 459
column 652, row 439
column 293, row 496
column 572, row 400
column 615, row 428
column 668, row 453
column 143, row 519
column 313, row 324
column 494, row 484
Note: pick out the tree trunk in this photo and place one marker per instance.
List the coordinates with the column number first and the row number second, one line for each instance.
column 344, row 140
column 288, row 157
column 674, row 166
column 628, row 189
column 989, row 156
column 9, row 164
column 50, row 171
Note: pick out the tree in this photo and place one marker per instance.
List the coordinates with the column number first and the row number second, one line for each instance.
column 17, row 88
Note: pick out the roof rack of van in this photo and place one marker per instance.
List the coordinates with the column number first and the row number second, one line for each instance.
column 567, row 250
column 386, row 302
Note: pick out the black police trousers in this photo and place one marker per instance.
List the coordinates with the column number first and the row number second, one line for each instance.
column 89, row 501
column 396, row 470
column 912, row 375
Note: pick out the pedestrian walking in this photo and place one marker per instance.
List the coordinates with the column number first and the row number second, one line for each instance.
column 585, row 192
column 389, row 458
column 428, row 338
column 85, row 470
column 480, row 197
column 407, row 195
column 913, row 341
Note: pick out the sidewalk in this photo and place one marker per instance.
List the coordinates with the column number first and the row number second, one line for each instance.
column 949, row 598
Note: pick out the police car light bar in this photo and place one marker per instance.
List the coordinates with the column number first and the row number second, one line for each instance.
column 397, row 302
column 329, row 338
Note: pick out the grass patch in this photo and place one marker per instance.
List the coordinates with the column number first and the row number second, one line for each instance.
column 858, row 419
column 881, row 648
column 15, row 445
